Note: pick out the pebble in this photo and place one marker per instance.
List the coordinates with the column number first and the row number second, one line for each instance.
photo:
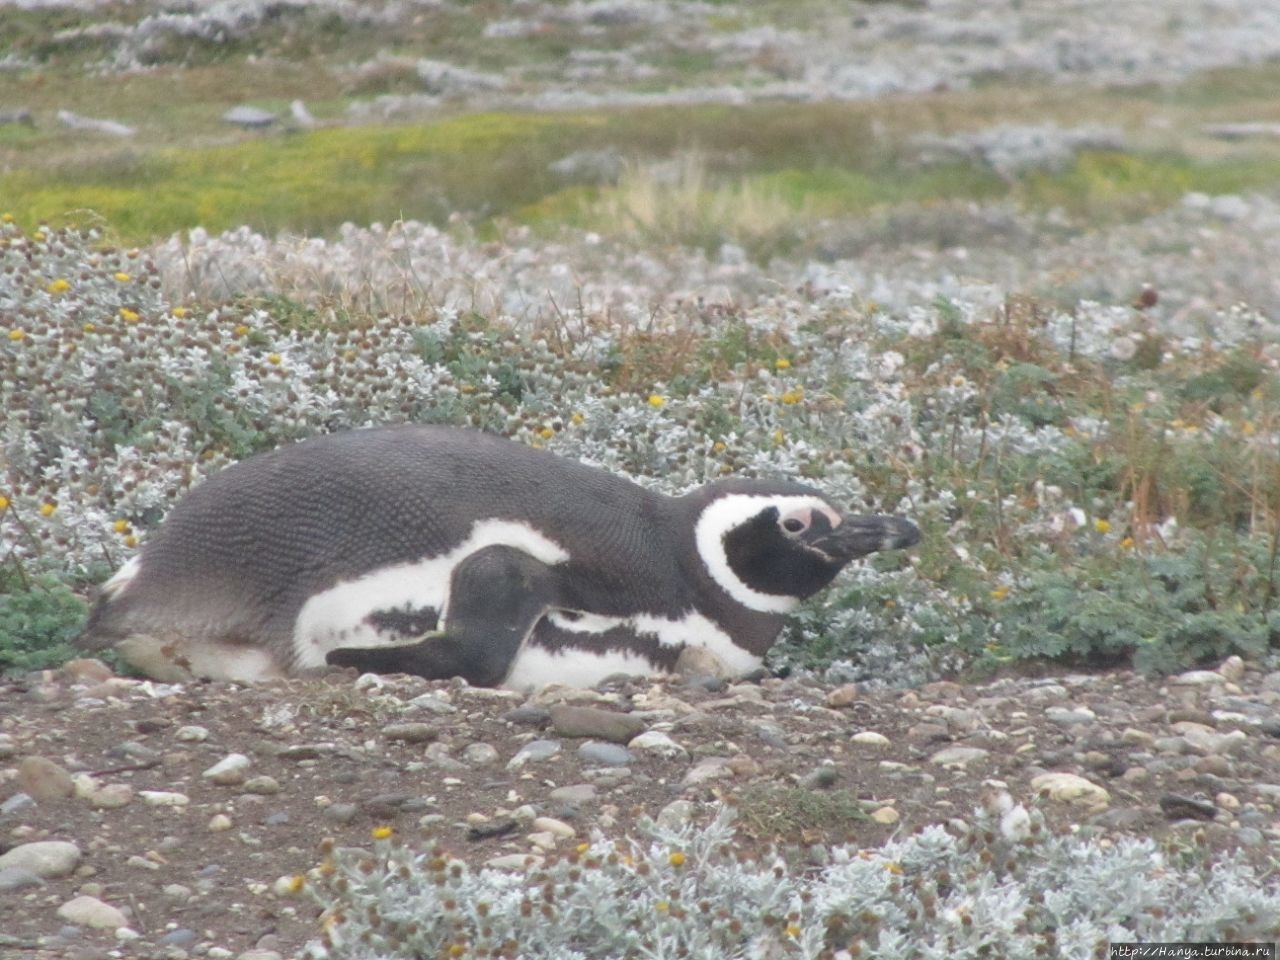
column 164, row 798
column 45, row 858
column 1198, row 678
column 433, row 703
column 192, row 734
column 555, row 827
column 262, row 785
column 42, row 779
column 1070, row 788
column 1232, row 669
column 574, row 794
column 869, row 738
column 1070, row 716
column 410, row 732
column 885, row 815
column 675, row 814
column 574, row 721
column 88, row 911
column 821, row 778
column 1177, row 807
column 845, row 695
column 229, row 771
column 533, row 751
column 219, row 822
column 958, row 756
column 604, row 754
column 656, row 742
column 709, row 768
column 18, row 878
column 341, row 812
column 19, row 801
column 480, row 754
column 528, row 716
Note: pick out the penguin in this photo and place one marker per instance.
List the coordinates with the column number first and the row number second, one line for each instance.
column 446, row 552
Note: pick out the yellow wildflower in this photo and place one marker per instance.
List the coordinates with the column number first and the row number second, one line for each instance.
column 128, row 316
column 1126, row 543
column 719, row 446
column 59, row 286
column 382, row 833
column 297, row 882
column 16, row 335
column 676, row 859
column 793, row 930
column 4, row 503
column 894, row 867
column 179, row 312
column 576, row 419
column 6, row 218
column 662, row 906
column 120, row 526
column 792, row 397
column 131, row 541
column 999, row 593
column 546, row 433
column 89, row 327
column 46, row 509
column 122, row 277
column 779, row 436
column 657, row 400
column 274, row 359
column 782, row 363
column 39, row 236
column 241, row 330
column 1102, row 526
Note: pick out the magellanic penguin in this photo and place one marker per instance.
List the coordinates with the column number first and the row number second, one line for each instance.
column 445, row 552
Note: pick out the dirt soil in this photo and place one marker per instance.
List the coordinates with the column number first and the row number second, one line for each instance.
column 1192, row 760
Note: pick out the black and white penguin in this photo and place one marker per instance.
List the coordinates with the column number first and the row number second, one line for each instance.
column 445, row 552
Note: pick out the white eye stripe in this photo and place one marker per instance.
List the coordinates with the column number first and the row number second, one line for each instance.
column 726, row 513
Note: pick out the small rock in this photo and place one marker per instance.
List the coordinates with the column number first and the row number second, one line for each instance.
column 573, row 721
column 958, row 756
column 1070, row 788
column 557, row 828
column 1232, row 669
column 1227, row 801
column 533, row 751
column 341, row 812
column 885, row 815
column 86, row 670
column 48, row 859
column 19, row 801
column 700, row 663
column 1176, row 807
column 249, row 117
column 436, row 702
column 410, row 732
column 92, row 912
column 574, row 795
column 229, row 771
column 845, row 695
column 656, row 742
column 192, row 734
column 18, row 878
column 675, row 814
column 258, row 954
column 480, row 754
column 869, row 738
column 710, row 768
column 164, row 798
column 604, row 754
column 1137, row 738
column 219, row 822
column 1198, row 678
column 528, row 716
column 42, row 779
column 1070, row 716
column 263, row 785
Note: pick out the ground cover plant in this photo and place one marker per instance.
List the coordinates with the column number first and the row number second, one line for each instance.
column 1089, row 489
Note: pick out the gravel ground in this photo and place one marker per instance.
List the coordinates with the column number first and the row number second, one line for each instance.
column 175, row 812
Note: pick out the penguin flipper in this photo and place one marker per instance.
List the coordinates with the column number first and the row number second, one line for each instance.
column 496, row 595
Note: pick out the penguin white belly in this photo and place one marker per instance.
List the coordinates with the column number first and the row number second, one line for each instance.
column 361, row 612
column 581, row 649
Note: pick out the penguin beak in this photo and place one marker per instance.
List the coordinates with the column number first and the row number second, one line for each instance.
column 856, row 537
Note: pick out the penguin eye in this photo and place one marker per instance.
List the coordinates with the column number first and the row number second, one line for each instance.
column 795, row 523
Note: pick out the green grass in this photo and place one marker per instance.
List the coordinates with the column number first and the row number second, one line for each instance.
column 757, row 175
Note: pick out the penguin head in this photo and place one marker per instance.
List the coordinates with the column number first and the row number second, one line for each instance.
column 770, row 545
